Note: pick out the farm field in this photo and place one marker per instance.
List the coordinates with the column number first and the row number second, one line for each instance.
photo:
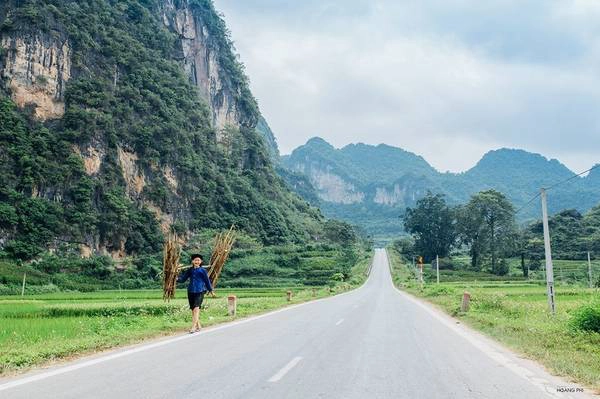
column 40, row 328
column 516, row 313
column 43, row 328
column 565, row 271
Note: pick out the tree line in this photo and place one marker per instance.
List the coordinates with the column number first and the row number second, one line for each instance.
column 485, row 227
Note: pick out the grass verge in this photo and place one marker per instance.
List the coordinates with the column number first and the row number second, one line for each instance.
column 41, row 328
column 516, row 314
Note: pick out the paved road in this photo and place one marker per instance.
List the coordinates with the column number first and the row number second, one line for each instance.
column 374, row 342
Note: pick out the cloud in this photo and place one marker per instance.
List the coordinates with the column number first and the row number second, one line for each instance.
column 448, row 80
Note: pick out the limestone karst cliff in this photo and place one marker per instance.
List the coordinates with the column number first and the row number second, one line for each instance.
column 122, row 120
column 372, row 185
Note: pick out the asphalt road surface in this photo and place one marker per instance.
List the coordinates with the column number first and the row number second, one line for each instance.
column 374, row 342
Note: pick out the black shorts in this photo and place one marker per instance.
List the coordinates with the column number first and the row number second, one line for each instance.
column 195, row 299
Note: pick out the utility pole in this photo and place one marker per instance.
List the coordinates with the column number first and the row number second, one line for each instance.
column 23, row 287
column 590, row 269
column 548, row 251
column 420, row 260
column 437, row 267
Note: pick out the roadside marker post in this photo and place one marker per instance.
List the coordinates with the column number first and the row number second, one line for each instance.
column 23, row 287
column 548, row 251
column 590, row 269
column 466, row 301
column 420, row 260
column 437, row 267
column 232, row 305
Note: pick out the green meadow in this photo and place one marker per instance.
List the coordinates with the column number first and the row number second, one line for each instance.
column 41, row 328
column 48, row 327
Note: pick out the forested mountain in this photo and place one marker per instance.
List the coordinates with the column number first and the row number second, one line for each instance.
column 372, row 185
column 122, row 119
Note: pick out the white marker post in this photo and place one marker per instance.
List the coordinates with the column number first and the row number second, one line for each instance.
column 437, row 267
column 23, row 287
column 590, row 269
column 231, row 305
column 414, row 264
column 421, row 280
column 548, row 251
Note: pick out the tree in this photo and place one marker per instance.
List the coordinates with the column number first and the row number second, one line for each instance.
column 432, row 224
column 340, row 232
column 470, row 231
column 487, row 225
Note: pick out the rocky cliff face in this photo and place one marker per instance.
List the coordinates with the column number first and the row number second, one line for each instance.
column 333, row 188
column 36, row 69
column 372, row 185
column 337, row 189
column 123, row 120
column 199, row 55
column 394, row 196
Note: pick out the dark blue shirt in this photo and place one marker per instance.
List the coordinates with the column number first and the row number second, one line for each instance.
column 199, row 281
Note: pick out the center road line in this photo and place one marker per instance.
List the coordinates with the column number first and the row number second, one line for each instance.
column 285, row 369
column 339, row 322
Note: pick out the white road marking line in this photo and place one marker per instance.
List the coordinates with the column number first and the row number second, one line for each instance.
column 285, row 369
column 144, row 347
column 339, row 322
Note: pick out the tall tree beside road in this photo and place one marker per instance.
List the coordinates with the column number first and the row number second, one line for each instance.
column 471, row 232
column 487, row 225
column 432, row 224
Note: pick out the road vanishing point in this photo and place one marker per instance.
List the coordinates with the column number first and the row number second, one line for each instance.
column 373, row 342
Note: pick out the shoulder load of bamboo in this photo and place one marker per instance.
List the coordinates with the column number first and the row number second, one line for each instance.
column 171, row 255
column 172, row 252
column 222, row 248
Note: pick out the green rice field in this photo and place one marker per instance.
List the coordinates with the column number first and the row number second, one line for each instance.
column 41, row 328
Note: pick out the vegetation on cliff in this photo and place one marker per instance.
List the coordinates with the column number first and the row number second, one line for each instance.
column 128, row 94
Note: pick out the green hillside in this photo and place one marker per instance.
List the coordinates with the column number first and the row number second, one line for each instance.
column 372, row 185
column 110, row 134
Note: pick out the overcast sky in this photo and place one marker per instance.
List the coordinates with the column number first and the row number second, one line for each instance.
column 446, row 79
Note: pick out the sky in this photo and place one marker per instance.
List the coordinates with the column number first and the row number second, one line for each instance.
column 447, row 79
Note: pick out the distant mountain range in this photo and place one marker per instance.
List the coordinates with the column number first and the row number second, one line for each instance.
column 372, row 185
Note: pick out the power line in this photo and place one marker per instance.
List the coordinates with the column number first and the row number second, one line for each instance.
column 528, row 202
column 572, row 177
column 557, row 184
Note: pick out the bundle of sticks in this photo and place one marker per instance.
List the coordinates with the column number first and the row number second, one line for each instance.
column 171, row 267
column 221, row 249
column 172, row 254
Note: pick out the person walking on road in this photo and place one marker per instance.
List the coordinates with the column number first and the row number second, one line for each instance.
column 198, row 286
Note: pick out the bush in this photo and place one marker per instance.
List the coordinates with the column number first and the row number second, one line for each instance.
column 501, row 268
column 445, row 264
column 586, row 318
column 487, row 303
column 535, row 264
column 404, row 245
column 438, row 290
